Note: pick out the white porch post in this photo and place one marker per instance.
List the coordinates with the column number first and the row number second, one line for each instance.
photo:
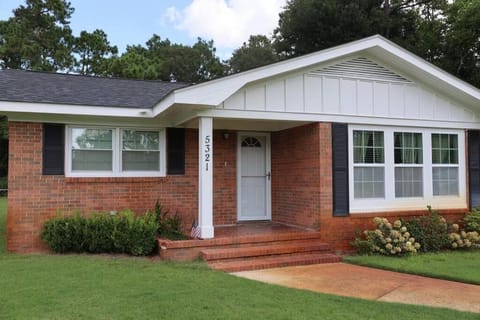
column 205, row 177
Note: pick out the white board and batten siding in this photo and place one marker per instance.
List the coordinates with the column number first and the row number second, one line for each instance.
column 356, row 87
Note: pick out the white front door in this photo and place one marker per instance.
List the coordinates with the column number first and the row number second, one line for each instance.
column 253, row 176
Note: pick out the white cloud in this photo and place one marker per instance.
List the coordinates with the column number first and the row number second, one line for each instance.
column 228, row 22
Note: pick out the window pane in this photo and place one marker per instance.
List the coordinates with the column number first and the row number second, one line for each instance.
column 368, row 146
column 408, row 148
column 444, row 148
column 369, row 182
column 445, row 181
column 141, row 161
column 83, row 138
column 91, row 160
column 140, row 140
column 408, row 182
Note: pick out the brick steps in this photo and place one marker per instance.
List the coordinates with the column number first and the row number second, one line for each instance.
column 264, row 250
column 266, row 262
column 291, row 251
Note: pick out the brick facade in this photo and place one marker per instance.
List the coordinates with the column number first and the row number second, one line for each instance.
column 301, row 187
column 296, row 176
column 34, row 198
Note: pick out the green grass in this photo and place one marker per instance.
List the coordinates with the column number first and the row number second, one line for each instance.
column 460, row 266
column 103, row 287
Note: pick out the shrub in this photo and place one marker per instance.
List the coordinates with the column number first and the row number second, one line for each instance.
column 169, row 226
column 102, row 233
column 387, row 239
column 471, row 220
column 462, row 239
column 64, row 234
column 430, row 231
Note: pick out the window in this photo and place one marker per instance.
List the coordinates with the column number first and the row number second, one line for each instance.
column 140, row 150
column 92, row 149
column 445, row 164
column 368, row 155
column 408, row 155
column 107, row 152
column 392, row 168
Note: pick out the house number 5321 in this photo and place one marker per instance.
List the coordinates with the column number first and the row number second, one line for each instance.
column 208, row 151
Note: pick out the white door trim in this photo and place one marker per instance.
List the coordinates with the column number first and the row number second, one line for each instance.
column 268, row 168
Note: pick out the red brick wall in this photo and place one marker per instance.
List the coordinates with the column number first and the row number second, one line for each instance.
column 225, row 178
column 296, row 176
column 33, row 198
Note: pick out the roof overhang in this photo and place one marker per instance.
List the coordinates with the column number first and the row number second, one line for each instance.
column 214, row 92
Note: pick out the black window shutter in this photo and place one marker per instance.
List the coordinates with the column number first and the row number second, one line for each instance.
column 175, row 151
column 53, row 149
column 340, row 169
column 474, row 167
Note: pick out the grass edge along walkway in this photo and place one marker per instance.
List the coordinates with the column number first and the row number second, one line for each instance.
column 461, row 266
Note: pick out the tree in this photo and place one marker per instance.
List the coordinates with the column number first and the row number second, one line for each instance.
column 257, row 52
column 37, row 37
column 161, row 59
column 308, row 25
column 462, row 47
column 92, row 51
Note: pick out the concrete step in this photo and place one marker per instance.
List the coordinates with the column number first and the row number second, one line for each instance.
column 257, row 263
column 267, row 249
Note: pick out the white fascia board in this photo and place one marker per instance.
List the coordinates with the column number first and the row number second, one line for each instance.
column 81, row 110
column 361, row 120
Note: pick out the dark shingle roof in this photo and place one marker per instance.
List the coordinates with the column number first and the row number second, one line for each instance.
column 44, row 87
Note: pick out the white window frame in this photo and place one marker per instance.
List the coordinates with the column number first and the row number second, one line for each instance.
column 390, row 202
column 117, row 154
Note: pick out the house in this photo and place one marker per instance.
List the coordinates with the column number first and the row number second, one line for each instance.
column 326, row 141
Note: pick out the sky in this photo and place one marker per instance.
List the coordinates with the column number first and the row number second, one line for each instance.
column 228, row 22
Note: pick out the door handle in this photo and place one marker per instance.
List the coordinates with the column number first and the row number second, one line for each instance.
column 268, row 175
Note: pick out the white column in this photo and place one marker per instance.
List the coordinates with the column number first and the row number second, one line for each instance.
column 205, row 177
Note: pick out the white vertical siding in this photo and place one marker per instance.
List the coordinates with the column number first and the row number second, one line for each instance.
column 365, row 97
column 320, row 92
column 294, row 94
column 313, row 104
column 331, row 95
column 348, row 96
column 275, row 96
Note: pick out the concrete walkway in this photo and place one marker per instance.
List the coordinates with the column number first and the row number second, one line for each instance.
column 373, row 284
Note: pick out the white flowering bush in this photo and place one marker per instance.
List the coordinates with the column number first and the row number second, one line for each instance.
column 460, row 239
column 387, row 239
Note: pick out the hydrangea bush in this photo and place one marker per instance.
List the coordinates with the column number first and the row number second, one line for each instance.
column 460, row 239
column 387, row 239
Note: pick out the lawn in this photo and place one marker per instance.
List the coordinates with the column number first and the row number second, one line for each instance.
column 103, row 287
column 460, row 266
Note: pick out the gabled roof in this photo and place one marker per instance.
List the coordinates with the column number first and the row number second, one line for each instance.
column 213, row 93
column 68, row 89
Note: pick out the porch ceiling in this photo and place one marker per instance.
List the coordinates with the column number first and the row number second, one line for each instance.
column 248, row 124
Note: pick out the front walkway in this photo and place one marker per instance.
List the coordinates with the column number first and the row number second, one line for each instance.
column 373, row 284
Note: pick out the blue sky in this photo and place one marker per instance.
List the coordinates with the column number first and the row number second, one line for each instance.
column 227, row 22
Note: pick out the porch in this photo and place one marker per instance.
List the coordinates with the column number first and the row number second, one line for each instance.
column 251, row 246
